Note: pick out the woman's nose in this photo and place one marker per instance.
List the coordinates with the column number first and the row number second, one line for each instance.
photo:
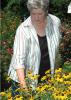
column 37, row 18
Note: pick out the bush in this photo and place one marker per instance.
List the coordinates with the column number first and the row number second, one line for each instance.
column 18, row 7
column 65, row 45
column 56, row 88
column 59, row 7
column 8, row 27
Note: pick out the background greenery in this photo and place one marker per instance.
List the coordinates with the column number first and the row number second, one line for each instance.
column 13, row 12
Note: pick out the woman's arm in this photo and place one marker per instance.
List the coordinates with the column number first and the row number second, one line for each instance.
column 20, row 54
column 21, row 77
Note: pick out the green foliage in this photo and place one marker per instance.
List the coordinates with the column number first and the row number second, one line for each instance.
column 59, row 3
column 59, row 7
column 50, row 88
column 18, row 7
column 8, row 27
column 11, row 2
column 67, row 66
column 65, row 46
column 9, row 24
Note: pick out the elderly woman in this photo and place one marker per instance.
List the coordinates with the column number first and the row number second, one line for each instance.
column 36, row 44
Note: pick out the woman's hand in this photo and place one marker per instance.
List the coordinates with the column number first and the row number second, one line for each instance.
column 21, row 77
column 23, row 84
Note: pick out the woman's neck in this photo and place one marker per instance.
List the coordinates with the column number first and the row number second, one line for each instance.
column 40, row 28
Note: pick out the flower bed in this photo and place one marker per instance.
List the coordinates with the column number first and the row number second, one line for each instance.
column 50, row 88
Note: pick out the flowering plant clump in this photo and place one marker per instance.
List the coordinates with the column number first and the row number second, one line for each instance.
column 9, row 24
column 50, row 88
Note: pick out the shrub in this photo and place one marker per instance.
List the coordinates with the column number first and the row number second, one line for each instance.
column 65, row 45
column 59, row 7
column 9, row 23
column 50, row 88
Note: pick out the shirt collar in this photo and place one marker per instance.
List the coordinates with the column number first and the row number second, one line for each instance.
column 27, row 22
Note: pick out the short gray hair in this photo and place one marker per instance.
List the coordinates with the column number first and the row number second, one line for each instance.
column 34, row 4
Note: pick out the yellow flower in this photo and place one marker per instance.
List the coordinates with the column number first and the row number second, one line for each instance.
column 29, row 73
column 55, row 95
column 31, row 98
column 59, row 96
column 19, row 97
column 48, row 75
column 47, row 72
column 9, row 95
column 51, row 88
column 46, row 86
column 56, row 90
column 57, row 75
column 42, row 88
column 67, row 76
column 58, row 70
column 31, row 76
column 68, row 92
column 70, row 73
column 52, row 79
column 10, row 98
column 34, row 77
column 38, row 89
column 67, row 82
column 43, row 78
column 69, row 88
column 59, row 79
column 63, row 97
column 2, row 93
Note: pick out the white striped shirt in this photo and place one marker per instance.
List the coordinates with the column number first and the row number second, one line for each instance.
column 26, row 50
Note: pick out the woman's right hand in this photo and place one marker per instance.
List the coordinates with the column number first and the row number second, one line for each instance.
column 23, row 85
column 21, row 77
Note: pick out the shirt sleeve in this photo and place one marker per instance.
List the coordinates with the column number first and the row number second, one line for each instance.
column 58, row 28
column 19, row 49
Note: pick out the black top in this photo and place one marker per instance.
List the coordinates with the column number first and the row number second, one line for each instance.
column 44, row 62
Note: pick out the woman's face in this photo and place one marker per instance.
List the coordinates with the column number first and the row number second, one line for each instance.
column 37, row 16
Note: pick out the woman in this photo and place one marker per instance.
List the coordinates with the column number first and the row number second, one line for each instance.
column 36, row 43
